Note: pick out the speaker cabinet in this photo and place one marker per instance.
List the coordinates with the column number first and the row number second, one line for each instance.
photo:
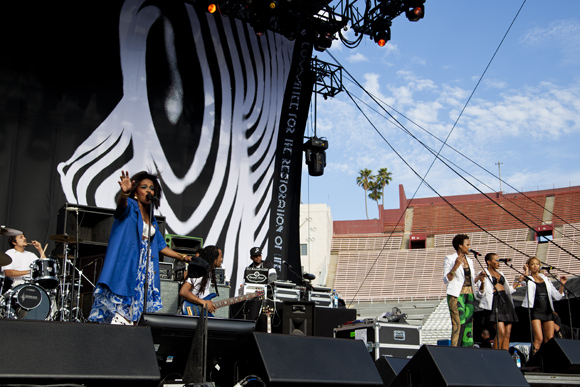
column 436, row 366
column 558, row 356
column 169, row 296
column 50, row 352
column 390, row 367
column 286, row 360
column 298, row 318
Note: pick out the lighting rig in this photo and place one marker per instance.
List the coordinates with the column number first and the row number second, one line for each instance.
column 320, row 21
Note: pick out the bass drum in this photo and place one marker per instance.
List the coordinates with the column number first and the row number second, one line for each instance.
column 30, row 302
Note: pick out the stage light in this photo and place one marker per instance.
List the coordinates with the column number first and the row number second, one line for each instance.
column 416, row 10
column 212, row 7
column 323, row 41
column 314, row 150
column 273, row 4
column 382, row 37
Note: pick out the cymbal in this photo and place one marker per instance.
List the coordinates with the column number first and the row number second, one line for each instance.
column 8, row 231
column 64, row 238
column 5, row 259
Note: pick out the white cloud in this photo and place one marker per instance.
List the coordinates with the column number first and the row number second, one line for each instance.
column 357, row 58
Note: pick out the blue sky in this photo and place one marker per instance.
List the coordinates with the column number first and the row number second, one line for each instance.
column 525, row 112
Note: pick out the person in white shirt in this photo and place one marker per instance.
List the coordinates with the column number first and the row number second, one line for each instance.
column 196, row 290
column 458, row 275
column 21, row 259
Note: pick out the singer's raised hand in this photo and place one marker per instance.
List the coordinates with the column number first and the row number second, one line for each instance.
column 125, row 182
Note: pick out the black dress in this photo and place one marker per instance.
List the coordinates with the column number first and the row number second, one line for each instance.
column 505, row 309
column 542, row 310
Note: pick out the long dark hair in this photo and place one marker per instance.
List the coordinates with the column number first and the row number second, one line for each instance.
column 137, row 178
column 210, row 254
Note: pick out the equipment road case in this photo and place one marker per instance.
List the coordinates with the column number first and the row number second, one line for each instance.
column 383, row 338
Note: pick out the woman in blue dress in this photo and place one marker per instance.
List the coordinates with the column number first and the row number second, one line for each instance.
column 119, row 294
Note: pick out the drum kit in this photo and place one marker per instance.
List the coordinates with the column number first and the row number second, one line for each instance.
column 48, row 293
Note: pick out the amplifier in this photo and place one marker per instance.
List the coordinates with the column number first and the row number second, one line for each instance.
column 166, row 270
column 321, row 299
column 286, row 294
column 220, row 275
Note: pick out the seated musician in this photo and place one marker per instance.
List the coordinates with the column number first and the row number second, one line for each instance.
column 196, row 290
column 21, row 259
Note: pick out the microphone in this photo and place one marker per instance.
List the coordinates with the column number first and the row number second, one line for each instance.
column 474, row 252
column 272, row 275
column 548, row 268
column 504, row 260
column 308, row 276
column 152, row 198
column 287, row 264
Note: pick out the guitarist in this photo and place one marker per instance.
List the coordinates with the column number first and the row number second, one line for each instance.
column 195, row 289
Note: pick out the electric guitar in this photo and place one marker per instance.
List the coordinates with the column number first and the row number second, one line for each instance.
column 191, row 309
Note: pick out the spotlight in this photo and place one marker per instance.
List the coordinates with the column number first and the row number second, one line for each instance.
column 382, row 37
column 212, row 7
column 314, row 150
column 273, row 4
column 323, row 41
column 415, row 10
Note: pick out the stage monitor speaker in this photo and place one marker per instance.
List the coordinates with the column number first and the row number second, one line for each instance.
column 558, row 356
column 169, row 296
column 436, row 366
column 390, row 367
column 47, row 352
column 298, row 318
column 286, row 360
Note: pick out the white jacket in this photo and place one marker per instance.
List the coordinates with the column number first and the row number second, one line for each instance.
column 454, row 286
column 531, row 292
column 487, row 301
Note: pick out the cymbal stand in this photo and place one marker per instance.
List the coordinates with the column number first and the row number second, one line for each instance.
column 64, row 291
column 81, row 276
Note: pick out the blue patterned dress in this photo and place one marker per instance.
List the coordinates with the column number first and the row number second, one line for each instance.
column 107, row 303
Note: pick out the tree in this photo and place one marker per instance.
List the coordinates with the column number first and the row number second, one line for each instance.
column 375, row 190
column 383, row 178
column 363, row 180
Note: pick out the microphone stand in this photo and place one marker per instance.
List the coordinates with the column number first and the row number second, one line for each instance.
column 146, row 284
column 494, row 301
column 304, row 282
column 527, row 279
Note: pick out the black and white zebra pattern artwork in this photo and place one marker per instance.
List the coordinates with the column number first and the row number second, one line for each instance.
column 201, row 105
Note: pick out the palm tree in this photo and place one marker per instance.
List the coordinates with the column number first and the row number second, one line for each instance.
column 363, row 181
column 383, row 178
column 375, row 191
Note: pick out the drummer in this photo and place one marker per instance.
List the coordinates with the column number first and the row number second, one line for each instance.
column 21, row 259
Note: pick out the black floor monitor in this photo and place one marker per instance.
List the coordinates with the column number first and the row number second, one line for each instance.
column 172, row 337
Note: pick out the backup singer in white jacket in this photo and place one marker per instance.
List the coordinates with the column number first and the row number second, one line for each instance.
column 501, row 307
column 539, row 295
column 458, row 275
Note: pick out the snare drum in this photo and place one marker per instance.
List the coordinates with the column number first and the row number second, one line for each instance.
column 30, row 302
column 45, row 272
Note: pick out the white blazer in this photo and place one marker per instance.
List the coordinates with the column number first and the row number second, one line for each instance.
column 454, row 286
column 531, row 292
column 487, row 301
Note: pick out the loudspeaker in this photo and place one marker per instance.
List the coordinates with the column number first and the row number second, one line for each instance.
column 458, row 366
column 169, row 296
column 286, row 360
column 298, row 318
column 558, row 356
column 390, row 367
column 50, row 352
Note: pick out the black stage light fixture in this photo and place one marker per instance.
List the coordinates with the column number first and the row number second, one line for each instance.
column 415, row 10
column 314, row 150
column 323, row 41
column 382, row 37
